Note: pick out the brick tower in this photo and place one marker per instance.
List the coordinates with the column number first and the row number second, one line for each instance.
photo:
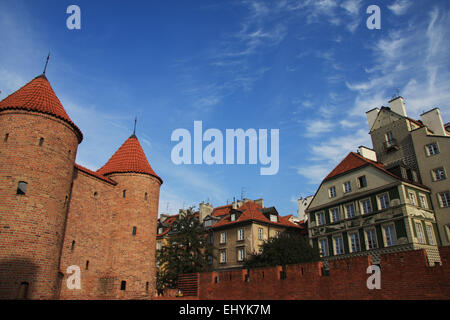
column 38, row 147
column 133, row 226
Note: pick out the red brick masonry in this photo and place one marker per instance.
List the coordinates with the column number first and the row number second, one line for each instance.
column 404, row 275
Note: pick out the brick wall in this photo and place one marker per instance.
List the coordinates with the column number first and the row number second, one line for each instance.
column 32, row 225
column 403, row 276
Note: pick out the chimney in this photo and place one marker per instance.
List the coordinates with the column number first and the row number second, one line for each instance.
column 372, row 116
column 433, row 120
column 205, row 209
column 367, row 153
column 398, row 106
column 260, row 202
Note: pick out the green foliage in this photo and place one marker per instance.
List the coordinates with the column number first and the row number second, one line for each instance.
column 286, row 249
column 187, row 251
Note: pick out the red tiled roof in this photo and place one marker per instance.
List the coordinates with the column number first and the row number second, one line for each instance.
column 252, row 212
column 353, row 161
column 130, row 157
column 38, row 95
column 222, row 210
column 95, row 174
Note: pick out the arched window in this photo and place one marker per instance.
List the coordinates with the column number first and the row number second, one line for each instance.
column 22, row 187
column 95, row 194
column 23, row 290
column 73, row 245
column 6, row 137
column 41, row 142
column 87, row 264
column 124, row 193
column 146, row 196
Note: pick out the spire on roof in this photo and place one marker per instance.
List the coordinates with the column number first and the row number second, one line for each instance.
column 46, row 63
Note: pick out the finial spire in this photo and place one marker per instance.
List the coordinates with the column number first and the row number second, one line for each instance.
column 46, row 63
column 134, row 131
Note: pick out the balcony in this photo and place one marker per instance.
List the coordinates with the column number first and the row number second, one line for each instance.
column 390, row 145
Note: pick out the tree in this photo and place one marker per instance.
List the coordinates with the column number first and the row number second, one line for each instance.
column 288, row 248
column 187, row 251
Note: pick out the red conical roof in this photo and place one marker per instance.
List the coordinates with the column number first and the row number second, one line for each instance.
column 130, row 157
column 38, row 95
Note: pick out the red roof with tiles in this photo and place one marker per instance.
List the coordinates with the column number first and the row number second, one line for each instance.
column 222, row 210
column 252, row 212
column 38, row 96
column 353, row 161
column 130, row 157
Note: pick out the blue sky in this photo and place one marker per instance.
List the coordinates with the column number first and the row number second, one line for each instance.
column 308, row 68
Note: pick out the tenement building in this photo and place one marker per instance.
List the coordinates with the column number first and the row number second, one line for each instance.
column 59, row 219
column 417, row 149
column 361, row 208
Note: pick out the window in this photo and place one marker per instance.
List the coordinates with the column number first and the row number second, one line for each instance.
column 73, row 245
column 123, row 285
column 211, row 238
column 6, row 137
column 444, row 199
column 160, row 230
column 371, row 239
column 41, row 142
column 95, row 194
column 158, row 245
column 383, row 201
column 419, row 232
column 321, row 218
column 22, row 187
column 332, row 192
column 323, row 246
column 241, row 234
column 134, row 231
column 147, row 284
column 277, row 234
column 430, row 234
column 355, row 246
column 366, row 206
column 350, row 210
column 87, row 265
column 146, row 196
column 432, row 149
column 335, row 214
column 260, row 234
column 347, row 186
column 124, row 193
column 233, row 217
column 389, row 235
column 412, row 198
column 23, row 290
column 362, row 181
column 338, row 245
column 423, row 201
column 223, row 256
column 223, row 237
column 240, row 254
column 273, row 218
column 439, row 174
column 389, row 136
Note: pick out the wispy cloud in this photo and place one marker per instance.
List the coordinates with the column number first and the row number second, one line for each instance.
column 400, row 7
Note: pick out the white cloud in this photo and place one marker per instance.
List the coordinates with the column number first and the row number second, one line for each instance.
column 400, row 7
column 317, row 127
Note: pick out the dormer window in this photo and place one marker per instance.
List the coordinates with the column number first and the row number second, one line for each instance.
column 273, row 218
column 160, row 230
column 233, row 217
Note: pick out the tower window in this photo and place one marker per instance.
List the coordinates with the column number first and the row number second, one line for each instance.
column 124, row 193
column 95, row 194
column 22, row 187
column 146, row 196
column 123, row 285
column 6, row 137
column 134, row 231
column 87, row 264
column 147, row 284
column 41, row 142
column 23, row 290
column 73, row 245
